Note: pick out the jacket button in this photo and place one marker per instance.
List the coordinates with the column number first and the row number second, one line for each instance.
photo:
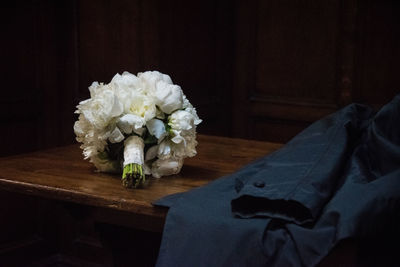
column 259, row 184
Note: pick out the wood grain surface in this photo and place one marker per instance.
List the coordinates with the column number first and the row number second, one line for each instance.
column 62, row 174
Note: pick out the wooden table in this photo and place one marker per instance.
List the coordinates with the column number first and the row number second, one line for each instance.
column 62, row 174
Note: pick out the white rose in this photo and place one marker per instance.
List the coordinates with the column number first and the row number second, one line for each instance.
column 142, row 106
column 116, row 136
column 99, row 110
column 168, row 97
column 185, row 102
column 180, row 146
column 187, row 106
column 157, row 128
column 81, row 127
column 131, row 122
column 133, row 104
column 125, row 86
column 181, row 141
column 93, row 88
column 190, row 145
column 93, row 142
column 149, row 80
column 165, row 149
column 151, row 153
column 181, row 120
column 126, row 80
column 164, row 167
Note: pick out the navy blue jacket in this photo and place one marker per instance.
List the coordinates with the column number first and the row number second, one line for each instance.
column 338, row 178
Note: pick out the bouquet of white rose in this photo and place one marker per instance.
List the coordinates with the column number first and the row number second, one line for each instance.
column 137, row 125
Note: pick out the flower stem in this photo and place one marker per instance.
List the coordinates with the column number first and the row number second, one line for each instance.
column 133, row 175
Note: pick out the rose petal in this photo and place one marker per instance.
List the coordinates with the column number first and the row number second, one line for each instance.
column 164, row 149
column 157, row 128
column 164, row 167
column 116, row 136
column 129, row 122
column 169, row 97
column 151, row 153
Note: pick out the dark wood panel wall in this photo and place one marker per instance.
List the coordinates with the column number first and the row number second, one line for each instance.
column 309, row 58
column 254, row 69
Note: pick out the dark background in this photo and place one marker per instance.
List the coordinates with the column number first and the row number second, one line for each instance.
column 253, row 69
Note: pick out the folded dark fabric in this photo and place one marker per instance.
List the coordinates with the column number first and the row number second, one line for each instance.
column 296, row 181
column 339, row 178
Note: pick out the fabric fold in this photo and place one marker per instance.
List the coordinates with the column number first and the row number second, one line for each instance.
column 338, row 179
column 300, row 178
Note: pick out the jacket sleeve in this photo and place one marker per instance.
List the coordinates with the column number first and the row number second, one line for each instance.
column 296, row 181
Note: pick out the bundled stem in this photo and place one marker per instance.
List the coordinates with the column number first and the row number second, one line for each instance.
column 133, row 175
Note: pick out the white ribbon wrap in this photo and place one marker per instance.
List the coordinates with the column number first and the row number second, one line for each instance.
column 134, row 150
